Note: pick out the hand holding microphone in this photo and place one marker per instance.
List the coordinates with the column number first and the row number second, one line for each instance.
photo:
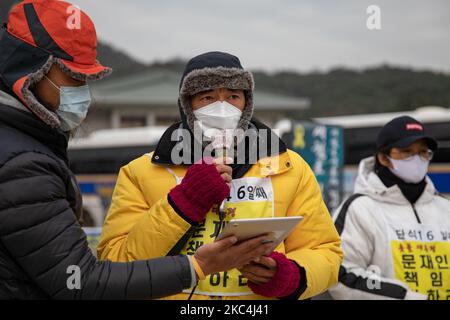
column 201, row 188
column 221, row 144
column 206, row 183
column 225, row 171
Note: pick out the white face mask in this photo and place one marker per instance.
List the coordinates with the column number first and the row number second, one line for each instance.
column 411, row 170
column 74, row 103
column 218, row 116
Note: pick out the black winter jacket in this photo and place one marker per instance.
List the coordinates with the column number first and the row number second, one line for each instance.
column 40, row 237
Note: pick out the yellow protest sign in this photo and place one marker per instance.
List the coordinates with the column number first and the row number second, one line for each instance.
column 424, row 266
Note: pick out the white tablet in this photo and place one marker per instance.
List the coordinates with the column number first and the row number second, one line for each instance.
column 277, row 228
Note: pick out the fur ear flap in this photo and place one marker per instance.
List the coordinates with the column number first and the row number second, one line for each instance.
column 43, row 113
column 32, row 102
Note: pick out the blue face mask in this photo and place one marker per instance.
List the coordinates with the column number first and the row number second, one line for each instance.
column 74, row 103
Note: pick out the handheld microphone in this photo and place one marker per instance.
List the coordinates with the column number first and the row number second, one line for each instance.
column 221, row 144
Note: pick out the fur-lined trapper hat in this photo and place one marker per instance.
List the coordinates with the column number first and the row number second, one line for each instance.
column 39, row 34
column 210, row 71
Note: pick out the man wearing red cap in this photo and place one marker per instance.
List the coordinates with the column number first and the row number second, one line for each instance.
column 47, row 55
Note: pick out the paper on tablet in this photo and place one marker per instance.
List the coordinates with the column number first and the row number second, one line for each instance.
column 277, row 228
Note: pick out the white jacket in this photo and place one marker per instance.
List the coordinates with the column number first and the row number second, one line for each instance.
column 386, row 239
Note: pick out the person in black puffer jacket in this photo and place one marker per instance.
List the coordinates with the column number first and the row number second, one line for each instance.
column 44, row 68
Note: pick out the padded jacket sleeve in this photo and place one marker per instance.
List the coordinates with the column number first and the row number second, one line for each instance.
column 41, row 234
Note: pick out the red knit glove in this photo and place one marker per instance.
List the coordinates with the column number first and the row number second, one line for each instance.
column 285, row 281
column 200, row 189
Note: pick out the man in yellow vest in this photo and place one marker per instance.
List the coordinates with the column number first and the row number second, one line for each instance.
column 163, row 205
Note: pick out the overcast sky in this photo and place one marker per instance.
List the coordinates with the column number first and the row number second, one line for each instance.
column 279, row 34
